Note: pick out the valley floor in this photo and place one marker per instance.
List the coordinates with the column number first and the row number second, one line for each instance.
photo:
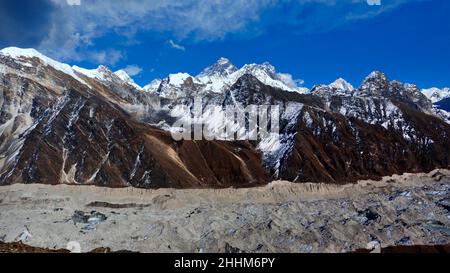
column 409, row 209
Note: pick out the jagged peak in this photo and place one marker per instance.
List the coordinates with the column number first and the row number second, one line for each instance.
column 266, row 67
column 342, row 85
column 222, row 67
column 375, row 83
column 223, row 60
column 268, row 75
column 376, row 75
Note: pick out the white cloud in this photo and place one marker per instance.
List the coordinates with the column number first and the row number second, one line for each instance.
column 73, row 2
column 132, row 70
column 105, row 56
column 289, row 80
column 176, row 46
column 76, row 28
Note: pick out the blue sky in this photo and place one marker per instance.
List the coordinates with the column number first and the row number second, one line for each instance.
column 314, row 40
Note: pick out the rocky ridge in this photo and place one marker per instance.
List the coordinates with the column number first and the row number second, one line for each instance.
column 68, row 125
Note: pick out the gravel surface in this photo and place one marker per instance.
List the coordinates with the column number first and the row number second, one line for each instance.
column 401, row 210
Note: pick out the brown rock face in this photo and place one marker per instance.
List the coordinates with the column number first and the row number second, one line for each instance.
column 86, row 140
column 77, row 135
column 349, row 149
column 341, row 139
column 58, row 129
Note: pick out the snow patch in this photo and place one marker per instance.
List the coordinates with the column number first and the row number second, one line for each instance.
column 270, row 144
column 91, row 73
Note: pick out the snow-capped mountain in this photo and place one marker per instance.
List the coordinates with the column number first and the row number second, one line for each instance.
column 123, row 75
column 221, row 69
column 104, row 74
column 440, row 99
column 375, row 84
column 339, row 87
column 25, row 58
column 217, row 78
column 153, row 86
column 267, row 74
column 64, row 124
column 342, row 86
column 175, row 86
column 436, row 94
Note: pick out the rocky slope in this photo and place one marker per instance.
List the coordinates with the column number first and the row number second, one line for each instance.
column 65, row 127
column 69, row 125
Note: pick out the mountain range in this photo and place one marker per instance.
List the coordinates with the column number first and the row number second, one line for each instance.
column 62, row 124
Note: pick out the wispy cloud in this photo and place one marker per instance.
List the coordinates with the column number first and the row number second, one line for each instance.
column 73, row 2
column 290, row 81
column 71, row 31
column 175, row 45
column 110, row 56
column 133, row 70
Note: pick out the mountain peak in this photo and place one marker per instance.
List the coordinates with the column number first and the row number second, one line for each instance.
column 123, row 75
column 339, row 87
column 265, row 67
column 342, row 85
column 375, row 83
column 15, row 52
column 435, row 94
column 376, row 75
column 222, row 68
column 24, row 56
column 223, row 61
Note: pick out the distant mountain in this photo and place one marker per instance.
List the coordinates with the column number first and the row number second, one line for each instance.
column 68, row 125
column 338, row 87
column 436, row 94
column 221, row 69
column 217, row 78
column 439, row 97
